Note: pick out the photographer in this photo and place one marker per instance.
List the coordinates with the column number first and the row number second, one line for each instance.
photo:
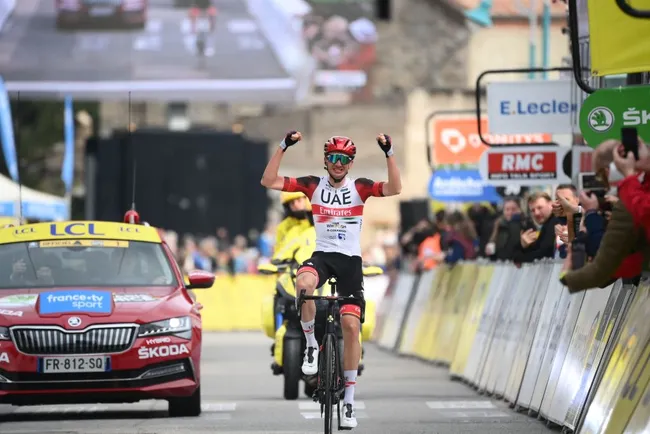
column 506, row 231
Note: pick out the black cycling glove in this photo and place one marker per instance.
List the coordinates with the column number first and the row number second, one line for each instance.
column 388, row 147
column 288, row 141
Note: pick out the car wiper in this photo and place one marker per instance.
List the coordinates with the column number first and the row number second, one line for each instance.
column 31, row 262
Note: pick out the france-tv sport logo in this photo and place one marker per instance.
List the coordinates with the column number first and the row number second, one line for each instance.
column 75, row 301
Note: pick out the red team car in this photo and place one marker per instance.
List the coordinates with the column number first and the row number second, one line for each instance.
column 129, row 13
column 97, row 312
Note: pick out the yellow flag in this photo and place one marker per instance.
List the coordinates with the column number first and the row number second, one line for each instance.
column 618, row 41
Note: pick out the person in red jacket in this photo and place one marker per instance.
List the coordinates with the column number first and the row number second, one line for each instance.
column 634, row 189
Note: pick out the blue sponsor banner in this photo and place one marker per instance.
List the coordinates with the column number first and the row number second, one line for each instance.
column 75, row 301
column 461, row 186
column 67, row 170
column 8, row 209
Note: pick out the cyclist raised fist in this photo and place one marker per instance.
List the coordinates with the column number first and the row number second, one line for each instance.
column 337, row 206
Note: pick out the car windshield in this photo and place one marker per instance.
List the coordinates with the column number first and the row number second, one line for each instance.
column 74, row 263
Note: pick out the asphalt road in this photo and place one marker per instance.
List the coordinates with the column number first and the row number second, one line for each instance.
column 240, row 395
column 240, row 63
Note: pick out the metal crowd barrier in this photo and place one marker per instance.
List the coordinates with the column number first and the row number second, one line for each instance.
column 580, row 361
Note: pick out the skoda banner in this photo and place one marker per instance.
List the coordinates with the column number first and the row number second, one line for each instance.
column 606, row 111
column 616, row 39
column 461, row 186
column 532, row 106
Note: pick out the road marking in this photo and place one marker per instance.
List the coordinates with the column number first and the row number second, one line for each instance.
column 476, row 414
column 153, row 26
column 317, row 415
column 147, row 42
column 358, row 405
column 91, row 42
column 151, row 85
column 242, row 26
column 315, row 410
column 443, row 405
column 250, row 43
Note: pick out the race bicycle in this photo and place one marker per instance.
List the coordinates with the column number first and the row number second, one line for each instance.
column 331, row 384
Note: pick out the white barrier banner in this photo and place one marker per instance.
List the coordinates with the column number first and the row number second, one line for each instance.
column 417, row 311
column 396, row 311
column 543, row 331
column 528, row 327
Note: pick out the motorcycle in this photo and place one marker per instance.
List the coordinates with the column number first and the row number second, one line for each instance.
column 281, row 322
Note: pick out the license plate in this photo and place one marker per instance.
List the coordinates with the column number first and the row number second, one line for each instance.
column 61, row 365
column 101, row 11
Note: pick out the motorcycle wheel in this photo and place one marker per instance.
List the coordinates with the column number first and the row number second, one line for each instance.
column 292, row 367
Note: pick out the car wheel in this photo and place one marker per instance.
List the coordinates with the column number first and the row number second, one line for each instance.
column 189, row 406
column 292, row 368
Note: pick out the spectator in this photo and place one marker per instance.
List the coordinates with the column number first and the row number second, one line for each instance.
column 506, row 231
column 538, row 244
column 621, row 250
column 430, row 251
column 566, row 203
column 483, row 219
column 634, row 189
column 461, row 240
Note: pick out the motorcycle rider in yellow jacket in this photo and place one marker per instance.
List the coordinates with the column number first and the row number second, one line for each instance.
column 297, row 209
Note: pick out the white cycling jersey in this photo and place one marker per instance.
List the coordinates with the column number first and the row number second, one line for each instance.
column 338, row 212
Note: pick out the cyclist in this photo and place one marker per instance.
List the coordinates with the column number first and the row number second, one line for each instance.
column 205, row 7
column 296, row 211
column 337, row 206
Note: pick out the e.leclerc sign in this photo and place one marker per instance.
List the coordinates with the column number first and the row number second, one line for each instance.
column 606, row 111
column 532, row 106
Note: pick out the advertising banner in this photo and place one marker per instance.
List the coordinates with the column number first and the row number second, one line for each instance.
column 456, row 140
column 525, row 165
column 532, row 106
column 606, row 111
column 617, row 46
column 255, row 51
column 461, row 186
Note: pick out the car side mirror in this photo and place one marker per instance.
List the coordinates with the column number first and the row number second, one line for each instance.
column 199, row 279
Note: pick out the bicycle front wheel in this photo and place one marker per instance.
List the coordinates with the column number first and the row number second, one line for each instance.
column 329, row 360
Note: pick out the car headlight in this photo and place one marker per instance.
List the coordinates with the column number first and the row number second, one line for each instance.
column 4, row 334
column 180, row 327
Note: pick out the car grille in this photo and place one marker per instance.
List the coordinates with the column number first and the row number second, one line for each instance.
column 55, row 340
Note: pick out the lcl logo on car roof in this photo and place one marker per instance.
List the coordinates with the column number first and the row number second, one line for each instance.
column 74, row 321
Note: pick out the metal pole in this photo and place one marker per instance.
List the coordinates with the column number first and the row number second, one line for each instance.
column 546, row 32
column 532, row 45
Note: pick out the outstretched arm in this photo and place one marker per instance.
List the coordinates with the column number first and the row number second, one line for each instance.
column 394, row 184
column 271, row 179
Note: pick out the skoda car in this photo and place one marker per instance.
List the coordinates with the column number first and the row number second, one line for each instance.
column 97, row 312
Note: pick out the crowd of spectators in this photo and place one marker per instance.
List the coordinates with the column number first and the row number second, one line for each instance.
column 601, row 232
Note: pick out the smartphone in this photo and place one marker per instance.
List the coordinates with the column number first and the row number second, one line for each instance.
column 577, row 218
column 590, row 182
column 630, row 140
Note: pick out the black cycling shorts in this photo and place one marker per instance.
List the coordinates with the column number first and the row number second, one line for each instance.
column 349, row 277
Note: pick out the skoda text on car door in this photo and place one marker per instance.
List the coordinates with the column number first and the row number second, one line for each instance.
column 97, row 312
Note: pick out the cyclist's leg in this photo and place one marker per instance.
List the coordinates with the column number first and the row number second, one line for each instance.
column 310, row 275
column 194, row 12
column 350, row 283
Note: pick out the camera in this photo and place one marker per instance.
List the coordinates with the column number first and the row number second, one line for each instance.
column 596, row 183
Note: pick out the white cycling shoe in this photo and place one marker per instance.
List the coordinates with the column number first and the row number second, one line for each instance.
column 348, row 417
column 310, row 362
